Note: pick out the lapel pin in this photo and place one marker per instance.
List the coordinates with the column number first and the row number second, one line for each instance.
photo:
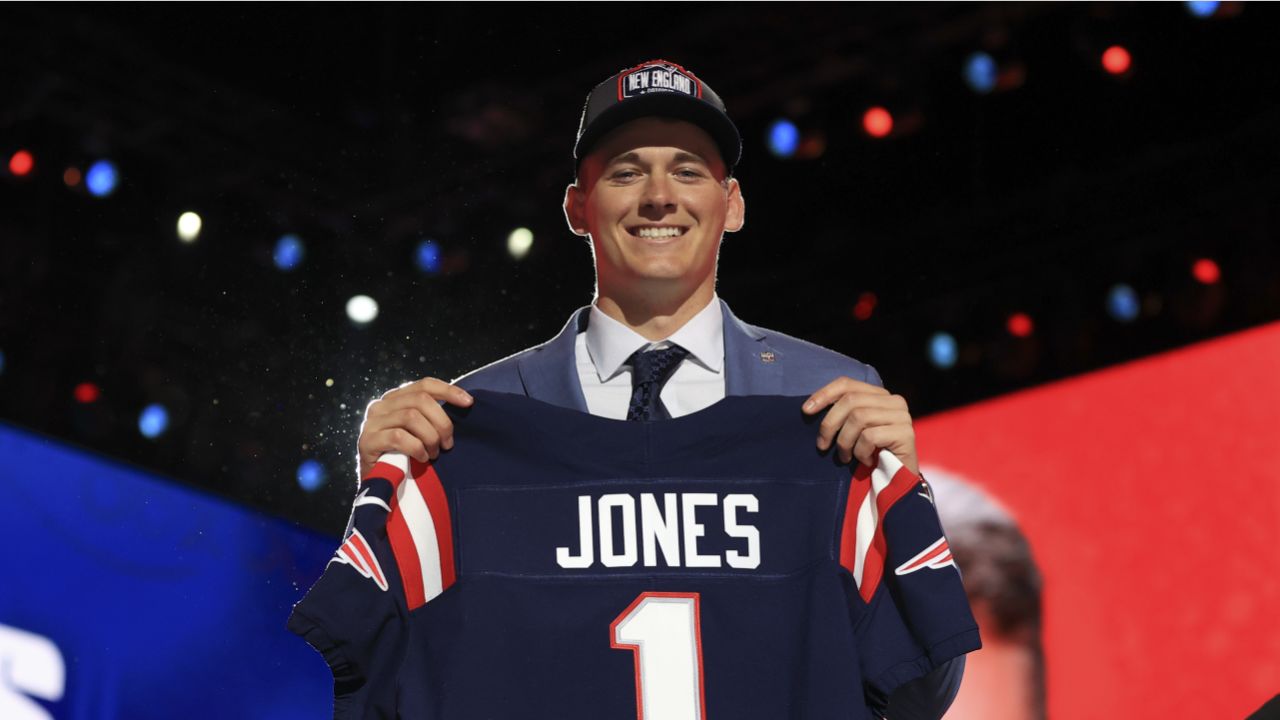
column 767, row 356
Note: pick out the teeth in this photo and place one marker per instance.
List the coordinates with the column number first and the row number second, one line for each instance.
column 647, row 232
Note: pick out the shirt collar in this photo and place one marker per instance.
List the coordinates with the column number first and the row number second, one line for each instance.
column 610, row 343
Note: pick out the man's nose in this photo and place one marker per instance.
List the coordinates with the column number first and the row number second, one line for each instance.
column 658, row 194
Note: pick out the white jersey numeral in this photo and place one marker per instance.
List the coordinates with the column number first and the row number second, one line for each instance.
column 664, row 631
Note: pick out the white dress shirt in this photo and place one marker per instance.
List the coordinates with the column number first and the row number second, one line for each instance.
column 603, row 348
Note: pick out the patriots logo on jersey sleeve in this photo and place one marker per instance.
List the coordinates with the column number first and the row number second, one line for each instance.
column 935, row 557
column 357, row 553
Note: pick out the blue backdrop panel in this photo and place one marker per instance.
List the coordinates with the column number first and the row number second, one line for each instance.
column 157, row 600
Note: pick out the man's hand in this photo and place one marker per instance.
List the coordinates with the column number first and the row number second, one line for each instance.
column 862, row 419
column 410, row 420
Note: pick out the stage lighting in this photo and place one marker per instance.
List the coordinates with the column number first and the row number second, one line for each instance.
column 519, row 242
column 877, row 122
column 87, row 392
column 362, row 309
column 21, row 163
column 1206, row 271
column 1116, row 60
column 71, row 176
column 1020, row 325
column 980, row 73
column 289, row 252
column 1122, row 303
column 942, row 350
column 153, row 421
column 865, row 306
column 102, row 178
column 1, row 362
column 784, row 138
column 311, row 475
column 1202, row 8
column 189, row 225
column 427, row 257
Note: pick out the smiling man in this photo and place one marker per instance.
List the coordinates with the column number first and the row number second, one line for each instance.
column 655, row 194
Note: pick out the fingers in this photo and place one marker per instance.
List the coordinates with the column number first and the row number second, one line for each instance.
column 838, row 416
column 410, row 420
column 836, row 389
column 869, row 429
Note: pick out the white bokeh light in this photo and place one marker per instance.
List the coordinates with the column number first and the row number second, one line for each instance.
column 519, row 242
column 362, row 309
column 189, row 225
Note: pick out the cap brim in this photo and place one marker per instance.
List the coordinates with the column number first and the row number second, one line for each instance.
column 672, row 105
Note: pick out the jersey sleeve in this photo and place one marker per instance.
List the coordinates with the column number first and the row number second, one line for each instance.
column 911, row 611
column 357, row 614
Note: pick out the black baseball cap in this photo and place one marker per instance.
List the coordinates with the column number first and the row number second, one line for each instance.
column 656, row 88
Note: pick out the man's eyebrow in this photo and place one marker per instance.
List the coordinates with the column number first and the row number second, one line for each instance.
column 680, row 157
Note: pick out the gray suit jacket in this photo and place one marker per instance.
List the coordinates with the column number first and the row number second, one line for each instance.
column 757, row 362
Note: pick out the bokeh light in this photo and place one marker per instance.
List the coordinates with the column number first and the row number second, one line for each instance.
column 980, row 72
column 519, row 242
column 1116, row 60
column 362, row 309
column 21, row 163
column 102, row 178
column 311, row 475
column 784, row 138
column 153, row 421
column 1206, row 271
column 942, row 350
column 289, row 252
column 189, row 225
column 87, row 392
column 1122, row 303
column 427, row 257
column 877, row 122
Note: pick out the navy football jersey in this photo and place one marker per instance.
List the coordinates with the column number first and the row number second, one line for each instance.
column 555, row 564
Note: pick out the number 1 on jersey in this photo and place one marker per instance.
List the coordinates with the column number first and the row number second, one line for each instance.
column 664, row 631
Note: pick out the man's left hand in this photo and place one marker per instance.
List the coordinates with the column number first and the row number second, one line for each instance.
column 862, row 419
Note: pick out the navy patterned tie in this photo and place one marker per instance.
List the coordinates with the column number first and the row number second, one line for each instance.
column 649, row 372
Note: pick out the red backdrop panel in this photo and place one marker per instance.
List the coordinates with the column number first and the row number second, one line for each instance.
column 1150, row 493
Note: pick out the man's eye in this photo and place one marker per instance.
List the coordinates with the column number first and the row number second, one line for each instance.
column 687, row 173
column 625, row 174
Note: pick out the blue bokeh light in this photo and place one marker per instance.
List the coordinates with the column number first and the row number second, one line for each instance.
column 1122, row 303
column 1, row 362
column 1202, row 8
column 427, row 257
column 784, row 138
column 980, row 72
column 942, row 350
column 311, row 475
column 153, row 421
column 102, row 178
column 289, row 252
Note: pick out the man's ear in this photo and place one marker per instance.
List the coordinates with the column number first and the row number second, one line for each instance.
column 574, row 209
column 736, row 215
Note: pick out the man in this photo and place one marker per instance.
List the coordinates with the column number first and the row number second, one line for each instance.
column 655, row 194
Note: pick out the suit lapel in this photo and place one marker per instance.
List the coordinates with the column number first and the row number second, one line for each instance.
column 751, row 365
column 551, row 373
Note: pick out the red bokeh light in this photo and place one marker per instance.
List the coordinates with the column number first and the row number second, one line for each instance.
column 1020, row 325
column 21, row 163
column 865, row 306
column 1116, row 60
column 877, row 122
column 71, row 176
column 87, row 392
column 1206, row 271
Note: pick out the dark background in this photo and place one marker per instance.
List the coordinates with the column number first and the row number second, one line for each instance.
column 366, row 129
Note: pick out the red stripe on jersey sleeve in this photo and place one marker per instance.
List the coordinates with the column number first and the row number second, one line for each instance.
column 371, row 562
column 877, row 554
column 406, row 555
column 386, row 471
column 433, row 493
column 859, row 486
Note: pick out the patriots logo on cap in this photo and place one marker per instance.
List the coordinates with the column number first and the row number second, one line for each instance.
column 936, row 557
column 657, row 76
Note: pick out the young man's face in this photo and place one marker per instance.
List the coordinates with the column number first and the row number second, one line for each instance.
column 654, row 198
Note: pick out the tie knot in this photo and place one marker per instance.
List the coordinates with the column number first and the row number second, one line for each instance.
column 653, row 366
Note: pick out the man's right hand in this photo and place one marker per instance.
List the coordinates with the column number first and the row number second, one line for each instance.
column 409, row 420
